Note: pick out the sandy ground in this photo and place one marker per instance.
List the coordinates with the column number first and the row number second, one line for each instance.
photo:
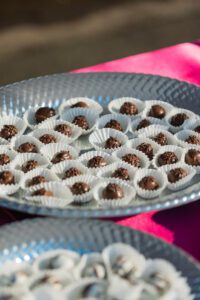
column 29, row 50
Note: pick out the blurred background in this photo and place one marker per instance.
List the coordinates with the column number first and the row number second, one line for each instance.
column 49, row 36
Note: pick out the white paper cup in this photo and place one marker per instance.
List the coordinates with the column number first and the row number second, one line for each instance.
column 21, row 159
column 149, row 103
column 42, row 131
column 195, row 167
column 16, row 142
column 12, row 154
column 4, row 142
column 123, row 120
column 92, row 104
column 175, row 111
column 60, row 168
column 155, row 123
column 152, row 131
column 115, row 105
column 191, row 124
column 175, row 149
column 134, row 143
column 12, row 120
column 160, row 177
column 98, row 138
column 144, row 160
column 9, row 189
column 29, row 118
column 182, row 135
column 52, row 149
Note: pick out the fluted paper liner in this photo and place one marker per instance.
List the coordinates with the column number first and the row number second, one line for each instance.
column 60, row 138
column 92, row 104
column 195, row 167
column 175, row 111
column 191, row 124
column 16, row 142
column 134, row 143
column 152, row 131
column 115, row 105
column 11, row 153
column 51, row 149
column 12, row 120
column 9, row 189
column 122, row 119
column 144, row 160
column 149, row 103
column 176, row 149
column 22, row 158
column 29, row 118
column 60, row 168
column 155, row 123
column 182, row 135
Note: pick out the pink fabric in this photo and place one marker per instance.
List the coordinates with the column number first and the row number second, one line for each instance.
column 179, row 225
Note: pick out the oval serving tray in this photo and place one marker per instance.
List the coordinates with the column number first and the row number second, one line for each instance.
column 24, row 241
column 103, row 87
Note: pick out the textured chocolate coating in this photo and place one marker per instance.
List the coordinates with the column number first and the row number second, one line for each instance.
column 128, row 108
column 81, row 104
column 121, row 173
column 8, row 131
column 197, row 129
column 44, row 113
column 112, row 143
column 178, row 119
column 157, row 111
column 27, row 148
column 132, row 159
column 61, row 156
column 79, row 188
column 148, row 183
column 167, row 158
column 47, row 139
column 37, row 180
column 192, row 139
column 6, row 177
column 146, row 149
column 161, row 139
column 192, row 157
column 4, row 159
column 71, row 173
column 112, row 191
column 82, row 122
column 43, row 192
column 29, row 165
column 114, row 125
column 64, row 129
column 96, row 162
column 143, row 124
column 175, row 175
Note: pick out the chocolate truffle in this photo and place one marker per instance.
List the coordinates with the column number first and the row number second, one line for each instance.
column 27, row 148
column 128, row 108
column 44, row 113
column 112, row 191
column 146, row 149
column 132, row 159
column 157, row 111
column 64, row 129
column 47, row 139
column 143, row 124
column 43, row 192
column 114, row 125
column 112, row 142
column 82, row 122
column 61, row 156
column 121, row 173
column 29, row 165
column 197, row 129
column 37, row 180
column 6, row 177
column 167, row 158
column 192, row 139
column 175, row 175
column 8, row 131
column 178, row 119
column 161, row 139
column 192, row 157
column 71, row 173
column 4, row 159
column 81, row 104
column 96, row 162
column 148, row 183
column 79, row 188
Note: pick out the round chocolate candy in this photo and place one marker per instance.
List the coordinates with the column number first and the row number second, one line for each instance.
column 47, row 139
column 128, row 108
column 161, row 139
column 29, row 165
column 96, row 162
column 43, row 192
column 192, row 157
column 157, row 111
column 132, row 159
column 37, row 180
column 193, row 139
column 8, row 131
column 146, row 149
column 64, row 129
column 143, row 124
column 112, row 143
column 27, row 148
column 114, row 125
column 167, row 158
column 4, row 159
column 71, row 173
column 61, row 156
column 121, row 173
column 44, row 113
column 197, row 129
column 79, row 188
column 6, row 177
column 175, row 175
column 82, row 122
column 81, row 104
column 148, row 183
column 112, row 191
column 178, row 119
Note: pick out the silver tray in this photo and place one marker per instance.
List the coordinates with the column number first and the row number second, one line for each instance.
column 103, row 87
column 23, row 241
